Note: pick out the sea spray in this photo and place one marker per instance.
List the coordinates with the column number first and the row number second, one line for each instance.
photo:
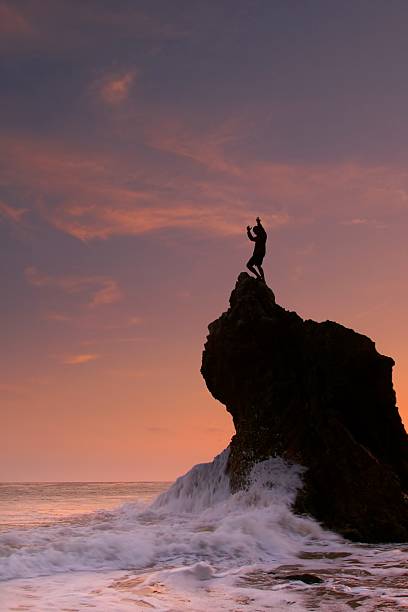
column 196, row 520
column 205, row 485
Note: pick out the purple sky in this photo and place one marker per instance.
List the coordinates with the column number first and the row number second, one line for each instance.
column 138, row 139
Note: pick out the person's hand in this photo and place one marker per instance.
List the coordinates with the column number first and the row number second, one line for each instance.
column 248, row 228
column 258, row 220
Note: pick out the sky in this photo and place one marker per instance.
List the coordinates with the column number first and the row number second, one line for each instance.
column 138, row 140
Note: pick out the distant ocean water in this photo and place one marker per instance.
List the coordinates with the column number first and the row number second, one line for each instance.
column 38, row 503
column 188, row 546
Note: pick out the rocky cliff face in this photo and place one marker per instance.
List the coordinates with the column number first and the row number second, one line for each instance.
column 317, row 394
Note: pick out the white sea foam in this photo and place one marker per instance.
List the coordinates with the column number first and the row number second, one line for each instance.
column 196, row 546
column 197, row 519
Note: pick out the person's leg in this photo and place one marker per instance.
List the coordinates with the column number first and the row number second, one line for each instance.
column 261, row 272
column 250, row 266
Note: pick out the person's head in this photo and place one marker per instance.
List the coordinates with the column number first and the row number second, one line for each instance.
column 255, row 229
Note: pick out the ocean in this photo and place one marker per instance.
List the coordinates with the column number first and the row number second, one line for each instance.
column 190, row 545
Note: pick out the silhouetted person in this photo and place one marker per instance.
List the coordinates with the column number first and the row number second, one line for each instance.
column 259, row 249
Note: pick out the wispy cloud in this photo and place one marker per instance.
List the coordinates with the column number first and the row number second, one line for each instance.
column 135, row 320
column 111, row 194
column 356, row 221
column 11, row 213
column 372, row 222
column 105, row 195
column 104, row 221
column 56, row 316
column 207, row 149
column 100, row 290
column 108, row 293
column 118, row 339
column 114, row 89
column 80, row 359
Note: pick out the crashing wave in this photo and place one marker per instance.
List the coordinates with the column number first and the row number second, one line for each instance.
column 196, row 520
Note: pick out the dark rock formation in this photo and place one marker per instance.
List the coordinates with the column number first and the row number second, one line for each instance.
column 317, row 394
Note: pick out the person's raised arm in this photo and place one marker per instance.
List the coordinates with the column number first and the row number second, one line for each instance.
column 250, row 236
column 261, row 227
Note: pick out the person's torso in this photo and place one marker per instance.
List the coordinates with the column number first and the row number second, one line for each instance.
column 260, row 245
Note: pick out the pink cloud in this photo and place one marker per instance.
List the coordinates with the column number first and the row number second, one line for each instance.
column 80, row 359
column 114, row 89
column 56, row 316
column 356, row 221
column 11, row 213
column 133, row 219
column 100, row 290
column 93, row 201
column 135, row 320
column 109, row 292
column 95, row 196
column 208, row 149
